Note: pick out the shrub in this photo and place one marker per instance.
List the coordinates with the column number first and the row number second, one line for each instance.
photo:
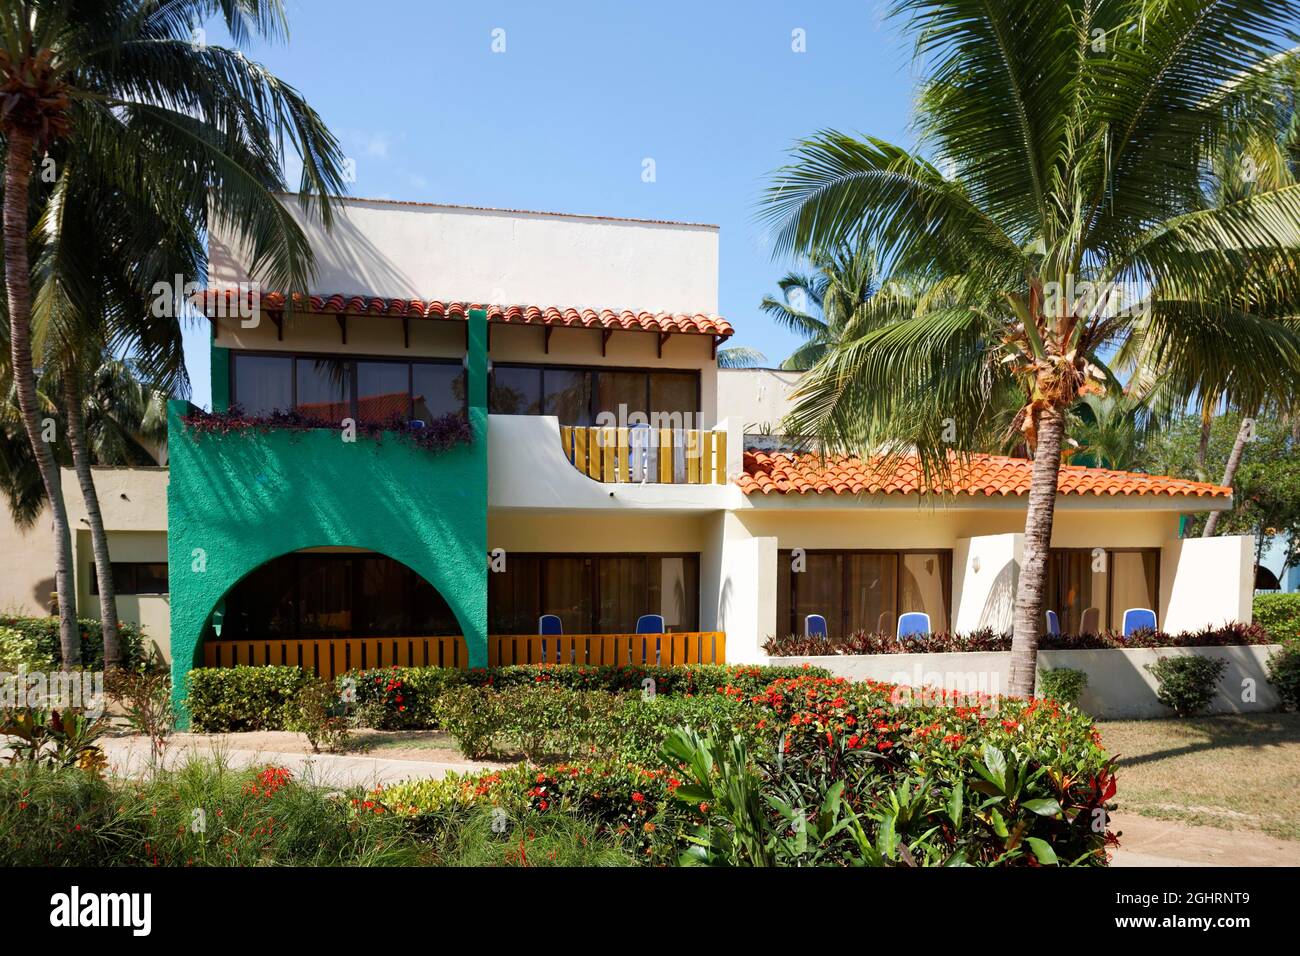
column 1187, row 682
column 537, row 720
column 1279, row 614
column 44, row 631
column 645, row 723
column 497, row 839
column 1284, row 673
column 1064, row 684
column 471, row 716
column 20, row 649
column 398, row 698
column 317, row 713
column 225, row 699
column 862, row 642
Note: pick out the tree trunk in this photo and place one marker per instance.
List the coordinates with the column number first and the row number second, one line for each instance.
column 1203, row 449
column 1030, row 596
column 18, row 171
column 1230, row 470
column 98, row 538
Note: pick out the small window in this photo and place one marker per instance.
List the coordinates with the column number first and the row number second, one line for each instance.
column 438, row 389
column 262, row 383
column 324, row 390
column 134, row 577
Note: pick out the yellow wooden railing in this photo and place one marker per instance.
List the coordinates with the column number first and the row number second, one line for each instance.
column 329, row 657
column 659, row 455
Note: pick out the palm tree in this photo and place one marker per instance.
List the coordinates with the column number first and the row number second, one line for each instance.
column 1076, row 134
column 740, row 356
column 842, row 281
column 183, row 129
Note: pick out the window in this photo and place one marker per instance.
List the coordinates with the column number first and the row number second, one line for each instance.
column 594, row 593
column 329, row 389
column 332, row 595
column 1109, row 580
column 135, row 577
column 577, row 395
column 863, row 590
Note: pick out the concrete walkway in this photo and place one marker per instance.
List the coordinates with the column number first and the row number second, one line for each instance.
column 1146, row 841
column 129, row 756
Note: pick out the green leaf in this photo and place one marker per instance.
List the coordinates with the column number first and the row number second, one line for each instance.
column 1043, row 806
column 1042, row 851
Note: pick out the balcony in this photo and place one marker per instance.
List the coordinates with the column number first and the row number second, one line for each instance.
column 647, row 455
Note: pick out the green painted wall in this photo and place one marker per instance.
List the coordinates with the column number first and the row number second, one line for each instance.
column 237, row 501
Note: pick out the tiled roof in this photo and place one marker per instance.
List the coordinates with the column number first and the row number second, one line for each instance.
column 341, row 303
column 979, row 476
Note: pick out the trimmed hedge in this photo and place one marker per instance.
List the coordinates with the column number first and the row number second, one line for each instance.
column 1279, row 614
column 44, row 631
column 862, row 642
column 224, row 699
column 405, row 698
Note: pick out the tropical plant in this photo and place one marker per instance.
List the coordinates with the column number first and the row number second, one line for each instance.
column 1186, row 684
column 1075, row 137
column 186, row 131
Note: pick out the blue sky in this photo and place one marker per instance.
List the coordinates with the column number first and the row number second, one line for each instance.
column 583, row 93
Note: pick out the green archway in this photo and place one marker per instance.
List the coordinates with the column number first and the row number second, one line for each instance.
column 239, row 500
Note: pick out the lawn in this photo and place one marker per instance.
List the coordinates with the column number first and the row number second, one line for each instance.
column 1231, row 772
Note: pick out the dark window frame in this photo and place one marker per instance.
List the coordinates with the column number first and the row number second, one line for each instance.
column 1110, row 578
column 795, row 627
column 134, row 568
column 350, row 359
column 595, row 370
column 595, row 594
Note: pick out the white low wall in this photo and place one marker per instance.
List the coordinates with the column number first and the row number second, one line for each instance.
column 1119, row 685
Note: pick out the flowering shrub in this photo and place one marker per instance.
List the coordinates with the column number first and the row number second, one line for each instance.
column 863, row 642
column 440, row 434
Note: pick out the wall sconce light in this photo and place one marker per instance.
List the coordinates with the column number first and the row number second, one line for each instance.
column 975, row 564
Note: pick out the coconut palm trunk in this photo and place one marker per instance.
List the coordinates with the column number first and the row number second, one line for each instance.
column 1031, row 591
column 98, row 538
column 1244, row 432
column 18, row 170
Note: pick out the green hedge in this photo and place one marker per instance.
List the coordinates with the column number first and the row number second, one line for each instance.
column 45, row 632
column 1279, row 614
column 226, row 699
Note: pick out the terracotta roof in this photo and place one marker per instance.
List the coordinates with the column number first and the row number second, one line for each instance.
column 211, row 301
column 982, row 475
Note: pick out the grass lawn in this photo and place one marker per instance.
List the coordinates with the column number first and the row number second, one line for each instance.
column 1231, row 772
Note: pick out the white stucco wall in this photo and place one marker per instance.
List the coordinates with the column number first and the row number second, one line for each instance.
column 985, row 572
column 1206, row 581
column 737, row 573
column 757, row 397
column 413, row 250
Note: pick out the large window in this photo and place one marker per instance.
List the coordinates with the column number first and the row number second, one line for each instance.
column 577, row 395
column 330, row 389
column 1111, row 580
column 594, row 593
column 862, row 590
column 335, row 594
column 134, row 577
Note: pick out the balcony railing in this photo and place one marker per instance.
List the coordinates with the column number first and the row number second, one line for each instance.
column 327, row 657
column 665, row 456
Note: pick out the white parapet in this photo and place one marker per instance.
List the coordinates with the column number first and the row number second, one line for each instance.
column 1207, row 582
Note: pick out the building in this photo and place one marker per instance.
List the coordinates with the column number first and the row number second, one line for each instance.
column 606, row 475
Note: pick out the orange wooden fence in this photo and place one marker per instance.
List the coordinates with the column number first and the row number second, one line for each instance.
column 329, row 657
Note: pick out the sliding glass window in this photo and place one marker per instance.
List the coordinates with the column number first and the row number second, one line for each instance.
column 328, row 389
column 862, row 590
column 577, row 395
column 594, row 593
column 1110, row 580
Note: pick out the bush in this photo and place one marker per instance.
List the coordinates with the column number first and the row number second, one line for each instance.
column 537, row 720
column 489, row 839
column 645, row 723
column 1279, row 614
column 44, row 632
column 317, row 713
column 862, row 642
column 398, row 698
column 1063, row 684
column 1284, row 673
column 254, row 817
column 226, row 699
column 21, row 650
column 471, row 716
column 1187, row 682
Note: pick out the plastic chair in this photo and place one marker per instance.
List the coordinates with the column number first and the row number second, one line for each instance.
column 650, row 624
column 814, row 625
column 1139, row 619
column 1053, row 624
column 913, row 623
column 1090, row 623
column 550, row 624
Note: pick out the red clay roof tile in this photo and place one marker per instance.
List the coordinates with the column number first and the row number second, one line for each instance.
column 980, row 475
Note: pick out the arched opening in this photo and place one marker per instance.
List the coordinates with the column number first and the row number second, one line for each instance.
column 330, row 610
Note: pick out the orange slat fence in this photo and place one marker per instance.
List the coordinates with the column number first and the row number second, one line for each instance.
column 329, row 657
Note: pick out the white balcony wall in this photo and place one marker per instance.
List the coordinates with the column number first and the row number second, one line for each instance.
column 1206, row 582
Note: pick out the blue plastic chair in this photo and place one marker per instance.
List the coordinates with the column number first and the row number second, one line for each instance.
column 913, row 623
column 550, row 624
column 650, row 624
column 814, row 625
column 1139, row 619
column 1053, row 624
